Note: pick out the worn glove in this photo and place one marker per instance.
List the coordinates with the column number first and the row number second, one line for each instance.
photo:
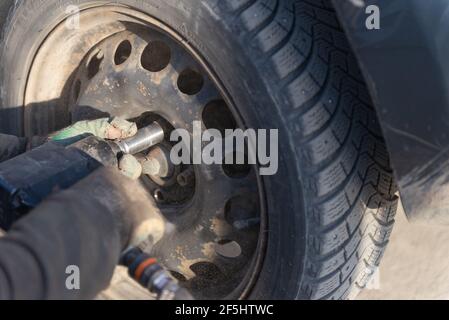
column 87, row 226
column 136, row 214
column 117, row 129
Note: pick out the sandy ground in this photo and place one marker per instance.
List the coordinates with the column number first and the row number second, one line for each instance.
column 415, row 265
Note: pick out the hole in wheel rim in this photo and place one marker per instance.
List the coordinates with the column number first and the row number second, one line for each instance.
column 242, row 211
column 178, row 276
column 234, row 168
column 206, row 270
column 228, row 249
column 123, row 52
column 216, row 115
column 156, row 56
column 190, row 82
column 94, row 64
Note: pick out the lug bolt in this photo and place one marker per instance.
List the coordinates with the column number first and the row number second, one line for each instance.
column 157, row 163
column 151, row 167
column 185, row 178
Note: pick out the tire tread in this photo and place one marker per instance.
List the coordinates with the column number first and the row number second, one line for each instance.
column 349, row 187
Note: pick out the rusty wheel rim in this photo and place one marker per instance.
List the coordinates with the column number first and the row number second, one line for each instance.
column 138, row 69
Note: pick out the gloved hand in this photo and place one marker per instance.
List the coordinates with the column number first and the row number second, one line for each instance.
column 117, row 129
column 89, row 226
column 135, row 212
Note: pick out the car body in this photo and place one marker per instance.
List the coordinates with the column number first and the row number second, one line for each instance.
column 405, row 65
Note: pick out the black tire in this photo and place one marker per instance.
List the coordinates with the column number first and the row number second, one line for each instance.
column 287, row 65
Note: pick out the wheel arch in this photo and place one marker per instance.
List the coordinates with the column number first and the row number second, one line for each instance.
column 405, row 67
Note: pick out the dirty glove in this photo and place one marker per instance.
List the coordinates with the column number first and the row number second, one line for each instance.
column 130, row 167
column 135, row 211
column 12, row 146
column 117, row 129
column 87, row 226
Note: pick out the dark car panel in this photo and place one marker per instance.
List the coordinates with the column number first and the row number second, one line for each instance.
column 406, row 66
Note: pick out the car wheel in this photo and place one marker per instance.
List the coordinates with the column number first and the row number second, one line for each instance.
column 316, row 229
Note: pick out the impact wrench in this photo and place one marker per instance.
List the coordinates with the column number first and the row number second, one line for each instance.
column 28, row 179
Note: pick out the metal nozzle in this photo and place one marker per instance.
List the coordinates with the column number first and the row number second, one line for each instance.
column 144, row 139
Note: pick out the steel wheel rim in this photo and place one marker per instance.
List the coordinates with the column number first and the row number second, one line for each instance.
column 73, row 93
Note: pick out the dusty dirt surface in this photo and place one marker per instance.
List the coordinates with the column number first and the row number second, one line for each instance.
column 415, row 265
